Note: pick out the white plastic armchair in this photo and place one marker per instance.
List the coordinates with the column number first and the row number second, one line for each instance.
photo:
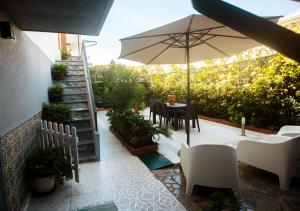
column 277, row 154
column 210, row 165
column 289, row 130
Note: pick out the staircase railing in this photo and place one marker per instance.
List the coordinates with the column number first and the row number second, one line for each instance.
column 90, row 97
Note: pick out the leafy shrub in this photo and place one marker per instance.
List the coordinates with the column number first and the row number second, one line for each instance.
column 119, row 87
column 59, row 71
column 264, row 90
column 134, row 129
column 65, row 53
column 49, row 162
column 55, row 93
column 58, row 113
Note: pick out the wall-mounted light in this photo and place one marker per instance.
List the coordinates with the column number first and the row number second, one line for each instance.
column 6, row 30
column 243, row 122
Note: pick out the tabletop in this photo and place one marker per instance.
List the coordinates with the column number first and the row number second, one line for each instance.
column 177, row 105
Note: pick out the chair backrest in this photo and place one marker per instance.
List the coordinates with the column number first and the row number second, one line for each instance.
column 193, row 111
column 159, row 108
column 289, row 130
column 211, row 164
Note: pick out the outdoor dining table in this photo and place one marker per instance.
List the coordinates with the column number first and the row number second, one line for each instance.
column 172, row 108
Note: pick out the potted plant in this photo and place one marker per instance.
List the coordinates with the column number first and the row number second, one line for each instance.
column 55, row 93
column 139, row 97
column 65, row 53
column 137, row 134
column 46, row 168
column 59, row 71
column 58, row 113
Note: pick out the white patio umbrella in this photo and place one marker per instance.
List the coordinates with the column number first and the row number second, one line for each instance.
column 193, row 38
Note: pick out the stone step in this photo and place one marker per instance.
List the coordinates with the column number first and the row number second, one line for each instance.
column 85, row 142
column 85, row 134
column 75, row 101
column 75, row 72
column 77, row 105
column 81, row 123
column 83, row 157
column 79, row 114
column 79, row 83
column 74, row 90
column 74, row 77
column 70, row 62
column 74, row 97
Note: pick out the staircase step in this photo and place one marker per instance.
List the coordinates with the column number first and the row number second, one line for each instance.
column 78, row 105
column 86, row 158
column 81, row 123
column 74, row 90
column 74, row 97
column 75, row 101
column 80, row 114
column 75, row 72
column 74, row 77
column 69, row 62
column 80, row 143
column 79, row 109
column 79, row 93
column 85, row 134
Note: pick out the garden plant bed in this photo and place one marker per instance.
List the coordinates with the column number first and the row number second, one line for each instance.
column 133, row 150
column 234, row 124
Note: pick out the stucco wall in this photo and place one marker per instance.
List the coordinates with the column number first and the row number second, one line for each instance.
column 24, row 79
column 47, row 42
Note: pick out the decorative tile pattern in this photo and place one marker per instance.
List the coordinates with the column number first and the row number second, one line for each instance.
column 119, row 177
column 15, row 146
column 260, row 190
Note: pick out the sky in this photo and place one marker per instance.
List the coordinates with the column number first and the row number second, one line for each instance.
column 129, row 17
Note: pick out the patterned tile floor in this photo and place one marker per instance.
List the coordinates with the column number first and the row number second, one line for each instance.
column 260, row 191
column 118, row 177
column 124, row 179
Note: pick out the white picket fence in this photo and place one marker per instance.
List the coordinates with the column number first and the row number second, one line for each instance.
column 55, row 135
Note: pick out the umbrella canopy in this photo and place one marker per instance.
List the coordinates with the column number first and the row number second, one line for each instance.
column 190, row 39
column 167, row 44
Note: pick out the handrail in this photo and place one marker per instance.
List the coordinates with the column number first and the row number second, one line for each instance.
column 91, row 99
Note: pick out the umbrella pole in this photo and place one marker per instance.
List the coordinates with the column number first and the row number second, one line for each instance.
column 187, row 121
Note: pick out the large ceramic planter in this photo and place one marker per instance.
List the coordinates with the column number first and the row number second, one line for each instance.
column 43, row 185
column 136, row 150
column 171, row 99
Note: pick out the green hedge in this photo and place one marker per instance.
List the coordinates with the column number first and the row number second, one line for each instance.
column 266, row 91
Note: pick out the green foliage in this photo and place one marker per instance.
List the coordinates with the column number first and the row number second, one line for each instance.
column 134, row 129
column 65, row 53
column 139, row 98
column 49, row 162
column 55, row 93
column 58, row 113
column 59, row 71
column 265, row 90
column 119, row 87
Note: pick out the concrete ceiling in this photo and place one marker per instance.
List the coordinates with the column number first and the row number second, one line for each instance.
column 70, row 16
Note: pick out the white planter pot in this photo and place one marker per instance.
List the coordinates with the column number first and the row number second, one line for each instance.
column 44, row 184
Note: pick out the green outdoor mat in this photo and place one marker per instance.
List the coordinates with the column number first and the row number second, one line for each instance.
column 101, row 207
column 154, row 160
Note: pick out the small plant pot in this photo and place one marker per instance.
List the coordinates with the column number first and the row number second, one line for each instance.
column 44, row 185
column 171, row 99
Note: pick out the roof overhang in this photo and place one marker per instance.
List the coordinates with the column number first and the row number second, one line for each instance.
column 68, row 16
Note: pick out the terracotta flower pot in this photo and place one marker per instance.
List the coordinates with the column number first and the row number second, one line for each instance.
column 171, row 99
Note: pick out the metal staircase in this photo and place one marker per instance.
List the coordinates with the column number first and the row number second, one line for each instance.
column 78, row 95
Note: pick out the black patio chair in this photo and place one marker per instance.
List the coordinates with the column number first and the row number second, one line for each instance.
column 193, row 115
column 164, row 114
column 152, row 106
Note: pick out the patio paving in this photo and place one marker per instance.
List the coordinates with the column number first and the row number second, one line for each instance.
column 118, row 177
column 125, row 180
